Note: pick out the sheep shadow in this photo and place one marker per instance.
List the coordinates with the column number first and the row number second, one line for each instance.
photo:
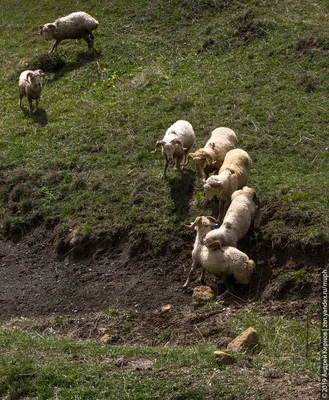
column 40, row 117
column 182, row 192
column 81, row 59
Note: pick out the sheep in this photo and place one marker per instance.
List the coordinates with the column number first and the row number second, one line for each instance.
column 211, row 157
column 223, row 263
column 176, row 143
column 233, row 175
column 30, row 86
column 237, row 220
column 78, row 25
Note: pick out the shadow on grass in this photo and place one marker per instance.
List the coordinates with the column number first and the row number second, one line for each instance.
column 40, row 117
column 82, row 58
column 182, row 191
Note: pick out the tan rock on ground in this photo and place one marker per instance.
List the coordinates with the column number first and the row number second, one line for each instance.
column 248, row 340
column 223, row 358
column 202, row 294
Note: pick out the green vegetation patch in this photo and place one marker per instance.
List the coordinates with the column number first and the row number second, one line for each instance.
column 44, row 366
column 253, row 66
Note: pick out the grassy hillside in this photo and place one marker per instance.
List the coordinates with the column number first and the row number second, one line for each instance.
column 83, row 162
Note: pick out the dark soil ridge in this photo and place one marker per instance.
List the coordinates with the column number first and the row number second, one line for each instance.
column 118, row 271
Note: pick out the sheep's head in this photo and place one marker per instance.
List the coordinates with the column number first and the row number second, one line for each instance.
column 33, row 78
column 206, row 222
column 170, row 149
column 215, row 184
column 48, row 31
column 201, row 158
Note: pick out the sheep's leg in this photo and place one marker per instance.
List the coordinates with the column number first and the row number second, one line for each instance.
column 193, row 268
column 30, row 105
column 54, row 48
column 178, row 167
column 222, row 209
column 165, row 168
column 36, row 105
column 185, row 156
column 20, row 100
column 90, row 42
column 228, row 282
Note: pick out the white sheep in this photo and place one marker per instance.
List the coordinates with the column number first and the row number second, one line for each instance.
column 233, row 175
column 175, row 145
column 210, row 158
column 30, row 86
column 78, row 25
column 223, row 263
column 237, row 220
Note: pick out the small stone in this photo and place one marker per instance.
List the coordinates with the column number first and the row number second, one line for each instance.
column 105, row 338
column 108, row 339
column 248, row 340
column 223, row 358
column 202, row 294
column 166, row 308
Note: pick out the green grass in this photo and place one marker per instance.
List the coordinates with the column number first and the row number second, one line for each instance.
column 84, row 159
column 45, row 366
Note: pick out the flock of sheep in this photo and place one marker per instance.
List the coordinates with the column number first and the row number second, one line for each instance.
column 215, row 247
column 223, row 169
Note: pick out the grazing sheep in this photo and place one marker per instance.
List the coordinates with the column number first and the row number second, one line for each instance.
column 211, row 157
column 176, row 143
column 30, row 87
column 223, row 263
column 236, row 222
column 233, row 175
column 78, row 25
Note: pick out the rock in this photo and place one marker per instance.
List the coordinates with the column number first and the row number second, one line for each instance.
column 202, row 294
column 166, row 308
column 108, row 339
column 248, row 340
column 223, row 358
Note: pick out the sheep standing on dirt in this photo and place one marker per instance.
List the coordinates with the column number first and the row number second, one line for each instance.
column 233, row 175
column 237, row 220
column 211, row 157
column 30, row 87
column 78, row 25
column 223, row 263
column 175, row 145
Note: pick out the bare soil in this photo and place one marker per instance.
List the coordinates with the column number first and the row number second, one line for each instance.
column 109, row 286
column 41, row 279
